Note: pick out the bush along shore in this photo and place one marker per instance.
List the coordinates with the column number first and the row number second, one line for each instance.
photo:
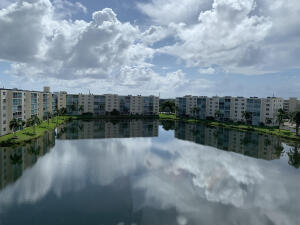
column 236, row 126
column 32, row 132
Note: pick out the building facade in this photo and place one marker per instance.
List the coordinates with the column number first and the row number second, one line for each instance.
column 269, row 110
column 258, row 110
column 291, row 105
column 24, row 104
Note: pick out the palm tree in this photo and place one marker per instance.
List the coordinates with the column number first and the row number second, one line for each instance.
column 194, row 111
column 81, row 109
column 176, row 110
column 280, row 116
column 73, row 107
column 49, row 115
column 294, row 157
column 14, row 125
column 22, row 124
column 217, row 114
column 295, row 118
column 57, row 113
column 29, row 122
column 63, row 111
column 35, row 121
column 247, row 116
column 16, row 159
column 268, row 121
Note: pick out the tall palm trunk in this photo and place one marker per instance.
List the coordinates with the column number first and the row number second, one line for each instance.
column 297, row 129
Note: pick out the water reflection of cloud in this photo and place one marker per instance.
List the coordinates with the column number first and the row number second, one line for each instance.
column 200, row 182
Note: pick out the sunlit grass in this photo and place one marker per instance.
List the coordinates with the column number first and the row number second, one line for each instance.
column 28, row 133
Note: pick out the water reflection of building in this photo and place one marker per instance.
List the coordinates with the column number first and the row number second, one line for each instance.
column 247, row 143
column 79, row 129
column 15, row 160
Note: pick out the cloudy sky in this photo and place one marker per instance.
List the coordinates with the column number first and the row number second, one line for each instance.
column 171, row 47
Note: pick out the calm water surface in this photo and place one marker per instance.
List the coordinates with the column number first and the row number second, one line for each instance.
column 142, row 172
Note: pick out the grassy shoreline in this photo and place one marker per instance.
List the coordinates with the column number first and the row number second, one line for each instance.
column 27, row 134
column 262, row 130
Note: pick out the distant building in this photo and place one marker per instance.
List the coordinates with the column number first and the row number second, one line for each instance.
column 259, row 110
column 238, row 106
column 23, row 104
column 291, row 105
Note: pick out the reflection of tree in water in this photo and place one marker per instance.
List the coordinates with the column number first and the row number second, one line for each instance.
column 279, row 148
column 16, row 159
column 34, row 150
column 217, row 132
column 247, row 139
column 168, row 125
column 267, row 141
column 61, row 132
column 294, row 156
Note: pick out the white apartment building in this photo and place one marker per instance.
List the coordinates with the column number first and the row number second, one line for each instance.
column 212, row 106
column 262, row 110
column 87, row 103
column 22, row 105
column 191, row 104
column 238, row 106
column 33, row 104
column 13, row 105
column 186, row 105
column 61, row 99
column 269, row 110
column 291, row 105
column 112, row 101
column 136, row 104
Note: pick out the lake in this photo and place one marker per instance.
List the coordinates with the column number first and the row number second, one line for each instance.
column 147, row 172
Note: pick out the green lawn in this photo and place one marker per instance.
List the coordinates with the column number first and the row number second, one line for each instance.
column 27, row 133
column 264, row 130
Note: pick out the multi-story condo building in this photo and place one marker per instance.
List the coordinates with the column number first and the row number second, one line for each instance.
column 99, row 105
column 238, row 106
column 46, row 102
column 72, row 104
column 33, row 104
column 269, row 110
column 22, row 105
column 201, row 106
column 187, row 105
column 86, row 103
column 253, row 108
column 224, row 108
column 136, row 105
column 61, row 99
column 291, row 105
column 259, row 110
column 112, row 103
column 212, row 106
column 54, row 102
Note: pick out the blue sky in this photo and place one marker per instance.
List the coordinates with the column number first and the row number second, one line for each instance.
column 199, row 47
